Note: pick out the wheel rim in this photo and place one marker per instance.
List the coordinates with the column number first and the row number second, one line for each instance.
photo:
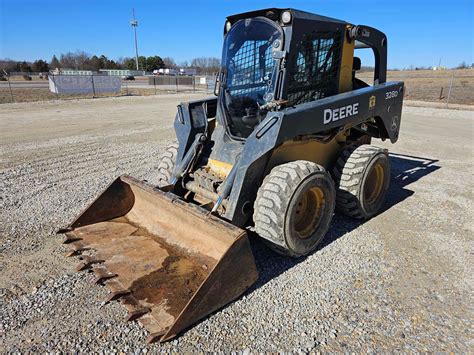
column 374, row 184
column 307, row 212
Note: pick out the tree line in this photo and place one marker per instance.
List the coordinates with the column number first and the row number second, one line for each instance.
column 80, row 60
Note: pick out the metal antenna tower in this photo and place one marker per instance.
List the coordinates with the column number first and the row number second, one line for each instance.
column 134, row 24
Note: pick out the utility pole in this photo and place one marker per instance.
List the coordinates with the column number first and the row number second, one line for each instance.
column 134, row 24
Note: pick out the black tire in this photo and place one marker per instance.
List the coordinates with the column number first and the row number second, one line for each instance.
column 166, row 164
column 280, row 215
column 362, row 178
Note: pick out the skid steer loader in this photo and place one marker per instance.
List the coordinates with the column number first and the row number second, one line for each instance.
column 284, row 142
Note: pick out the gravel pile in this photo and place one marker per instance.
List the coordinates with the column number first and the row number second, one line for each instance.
column 398, row 282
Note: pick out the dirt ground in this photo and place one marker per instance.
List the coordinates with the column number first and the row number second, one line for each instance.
column 399, row 282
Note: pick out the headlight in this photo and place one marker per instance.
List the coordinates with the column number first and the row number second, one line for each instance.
column 228, row 25
column 286, row 17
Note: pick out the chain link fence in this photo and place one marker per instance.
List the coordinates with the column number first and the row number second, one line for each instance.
column 36, row 86
column 444, row 86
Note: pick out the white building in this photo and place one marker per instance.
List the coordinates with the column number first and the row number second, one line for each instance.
column 122, row 72
column 68, row 71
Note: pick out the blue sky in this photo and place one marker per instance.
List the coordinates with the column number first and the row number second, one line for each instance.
column 419, row 32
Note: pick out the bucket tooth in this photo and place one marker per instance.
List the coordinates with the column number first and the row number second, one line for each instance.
column 154, row 337
column 70, row 237
column 137, row 313
column 64, row 230
column 86, row 262
column 116, row 295
column 135, row 309
column 71, row 253
column 102, row 274
column 82, row 266
column 100, row 280
column 76, row 248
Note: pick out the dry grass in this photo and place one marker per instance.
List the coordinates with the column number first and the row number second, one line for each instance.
column 426, row 85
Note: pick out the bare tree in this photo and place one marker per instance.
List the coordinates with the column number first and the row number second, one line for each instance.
column 206, row 65
column 81, row 59
column 68, row 60
column 183, row 64
column 54, row 63
column 169, row 63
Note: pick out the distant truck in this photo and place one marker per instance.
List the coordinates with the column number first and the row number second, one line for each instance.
column 187, row 71
column 182, row 71
column 165, row 71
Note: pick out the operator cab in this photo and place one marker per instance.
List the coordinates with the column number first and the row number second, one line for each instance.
column 280, row 58
column 249, row 72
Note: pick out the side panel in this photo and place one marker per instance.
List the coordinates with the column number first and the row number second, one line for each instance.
column 190, row 120
column 382, row 102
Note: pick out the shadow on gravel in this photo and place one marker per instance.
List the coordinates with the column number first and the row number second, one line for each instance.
column 405, row 170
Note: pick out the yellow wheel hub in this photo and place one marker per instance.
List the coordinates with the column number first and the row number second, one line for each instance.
column 374, row 184
column 307, row 212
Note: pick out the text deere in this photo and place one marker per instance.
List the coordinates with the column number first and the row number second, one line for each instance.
column 332, row 115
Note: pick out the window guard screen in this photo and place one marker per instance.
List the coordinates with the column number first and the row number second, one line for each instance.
column 314, row 74
column 251, row 73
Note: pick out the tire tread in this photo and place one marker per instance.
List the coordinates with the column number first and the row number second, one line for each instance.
column 272, row 197
column 166, row 163
column 348, row 173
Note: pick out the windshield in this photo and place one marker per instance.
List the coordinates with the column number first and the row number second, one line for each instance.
column 249, row 76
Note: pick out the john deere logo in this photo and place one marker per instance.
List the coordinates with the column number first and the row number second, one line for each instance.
column 372, row 101
column 394, row 124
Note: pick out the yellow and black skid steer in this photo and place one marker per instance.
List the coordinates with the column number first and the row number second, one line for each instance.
column 284, row 142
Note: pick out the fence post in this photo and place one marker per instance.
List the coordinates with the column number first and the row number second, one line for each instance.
column 9, row 85
column 93, row 87
column 194, row 83
column 449, row 92
column 55, row 89
column 176, row 78
column 154, row 83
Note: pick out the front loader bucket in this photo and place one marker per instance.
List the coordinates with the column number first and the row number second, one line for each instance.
column 169, row 262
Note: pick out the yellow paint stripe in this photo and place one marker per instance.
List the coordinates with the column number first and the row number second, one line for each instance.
column 219, row 167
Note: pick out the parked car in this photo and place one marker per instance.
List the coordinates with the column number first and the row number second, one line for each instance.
column 128, row 77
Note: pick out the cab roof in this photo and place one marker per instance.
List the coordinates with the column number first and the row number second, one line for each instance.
column 297, row 14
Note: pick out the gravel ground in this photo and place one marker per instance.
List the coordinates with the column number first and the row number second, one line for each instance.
column 401, row 281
